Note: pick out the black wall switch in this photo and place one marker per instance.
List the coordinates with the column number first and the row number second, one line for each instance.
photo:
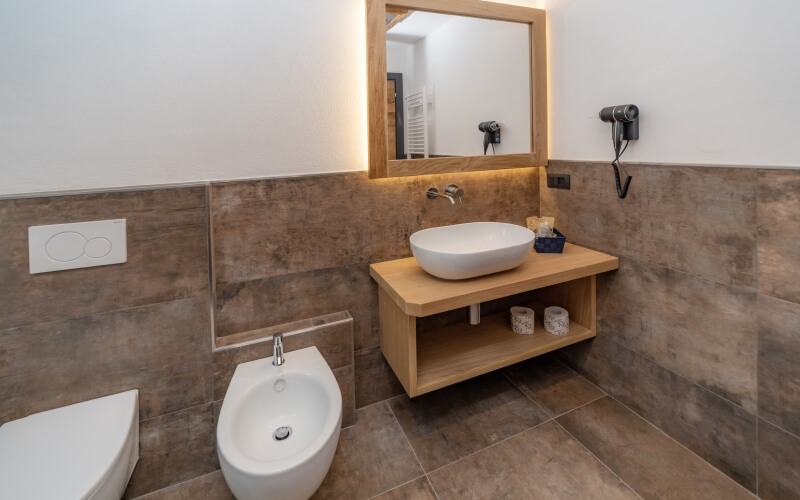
column 558, row 181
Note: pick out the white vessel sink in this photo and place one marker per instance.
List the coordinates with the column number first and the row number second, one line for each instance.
column 468, row 250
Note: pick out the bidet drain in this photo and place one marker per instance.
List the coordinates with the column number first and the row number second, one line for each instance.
column 282, row 433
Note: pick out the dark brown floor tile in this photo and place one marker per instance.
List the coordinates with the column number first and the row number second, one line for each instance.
column 174, row 448
column 717, row 430
column 418, row 489
column 541, row 463
column 649, row 461
column 373, row 456
column 257, row 304
column 698, row 220
column 164, row 350
column 209, row 487
column 701, row 330
column 778, row 463
column 778, row 227
column 375, row 380
column 453, row 422
column 552, row 385
column 778, row 366
column 167, row 254
column 332, row 335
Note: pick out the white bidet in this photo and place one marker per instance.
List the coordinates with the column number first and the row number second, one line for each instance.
column 279, row 427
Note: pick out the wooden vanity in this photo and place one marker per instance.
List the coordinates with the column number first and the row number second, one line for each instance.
column 443, row 356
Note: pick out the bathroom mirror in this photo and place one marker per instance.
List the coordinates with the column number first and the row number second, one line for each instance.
column 449, row 108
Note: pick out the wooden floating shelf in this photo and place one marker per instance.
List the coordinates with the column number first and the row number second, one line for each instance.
column 430, row 360
column 462, row 351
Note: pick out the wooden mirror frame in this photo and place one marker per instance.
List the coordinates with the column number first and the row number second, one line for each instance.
column 379, row 164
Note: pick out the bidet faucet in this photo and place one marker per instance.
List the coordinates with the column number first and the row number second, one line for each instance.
column 277, row 350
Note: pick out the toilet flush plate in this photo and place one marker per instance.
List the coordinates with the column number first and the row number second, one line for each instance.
column 57, row 247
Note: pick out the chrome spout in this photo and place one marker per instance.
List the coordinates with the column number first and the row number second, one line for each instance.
column 277, row 350
column 434, row 193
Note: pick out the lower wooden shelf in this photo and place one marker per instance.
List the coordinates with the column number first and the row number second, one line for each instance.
column 462, row 351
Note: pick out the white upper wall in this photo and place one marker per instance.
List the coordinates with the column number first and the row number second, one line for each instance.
column 100, row 93
column 716, row 81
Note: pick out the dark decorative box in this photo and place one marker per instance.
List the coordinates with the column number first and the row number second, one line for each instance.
column 550, row 245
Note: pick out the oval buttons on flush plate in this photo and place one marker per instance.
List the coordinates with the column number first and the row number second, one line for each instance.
column 97, row 247
column 66, row 246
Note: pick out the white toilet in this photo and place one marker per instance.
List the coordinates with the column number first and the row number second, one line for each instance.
column 279, row 427
column 83, row 451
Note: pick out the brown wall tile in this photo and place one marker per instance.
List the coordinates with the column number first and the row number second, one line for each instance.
column 345, row 376
column 719, row 431
column 375, row 380
column 701, row 330
column 334, row 339
column 698, row 220
column 174, row 448
column 691, row 219
column 589, row 213
column 287, row 298
column 167, row 254
column 164, row 350
column 778, row 227
column 778, row 366
column 272, row 227
column 778, row 463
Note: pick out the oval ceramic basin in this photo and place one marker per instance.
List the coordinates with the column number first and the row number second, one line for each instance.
column 468, row 250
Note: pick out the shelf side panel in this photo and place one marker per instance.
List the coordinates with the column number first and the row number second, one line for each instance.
column 398, row 334
column 578, row 297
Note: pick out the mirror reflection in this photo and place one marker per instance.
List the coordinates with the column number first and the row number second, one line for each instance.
column 457, row 86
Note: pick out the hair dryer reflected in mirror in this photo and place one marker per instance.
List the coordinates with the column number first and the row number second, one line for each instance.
column 491, row 134
column 624, row 121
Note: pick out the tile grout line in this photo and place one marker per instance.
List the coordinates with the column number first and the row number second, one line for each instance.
column 553, row 417
column 490, row 446
column 654, row 426
column 395, row 487
column 430, row 483
column 581, row 406
column 90, row 314
column 405, row 436
column 529, row 398
column 597, row 458
column 679, row 375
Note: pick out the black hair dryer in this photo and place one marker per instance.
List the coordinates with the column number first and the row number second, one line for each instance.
column 627, row 115
column 491, row 133
column 624, row 121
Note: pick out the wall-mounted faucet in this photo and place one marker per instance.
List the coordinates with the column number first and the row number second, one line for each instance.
column 455, row 192
column 451, row 193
